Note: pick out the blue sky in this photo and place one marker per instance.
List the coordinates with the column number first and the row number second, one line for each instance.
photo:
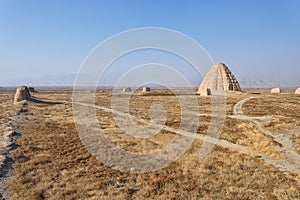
column 257, row 39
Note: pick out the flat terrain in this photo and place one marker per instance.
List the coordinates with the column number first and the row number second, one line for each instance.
column 257, row 155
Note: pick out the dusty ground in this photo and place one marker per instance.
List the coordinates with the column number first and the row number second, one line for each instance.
column 256, row 157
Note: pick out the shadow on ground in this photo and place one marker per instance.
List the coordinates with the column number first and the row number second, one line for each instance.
column 35, row 100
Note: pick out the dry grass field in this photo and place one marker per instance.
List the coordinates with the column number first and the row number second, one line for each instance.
column 257, row 156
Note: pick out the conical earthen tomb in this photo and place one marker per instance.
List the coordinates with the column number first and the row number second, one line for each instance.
column 219, row 78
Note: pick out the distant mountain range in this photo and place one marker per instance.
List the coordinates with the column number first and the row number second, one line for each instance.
column 47, row 80
column 68, row 80
column 257, row 83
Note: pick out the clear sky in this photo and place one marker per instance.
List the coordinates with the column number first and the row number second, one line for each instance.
column 258, row 39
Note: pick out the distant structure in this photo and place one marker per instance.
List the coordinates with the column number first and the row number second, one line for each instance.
column 146, row 89
column 22, row 94
column 275, row 91
column 297, row 91
column 219, row 78
column 127, row 89
column 32, row 89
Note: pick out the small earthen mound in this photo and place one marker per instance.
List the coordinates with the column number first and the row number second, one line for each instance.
column 297, row 91
column 128, row 89
column 275, row 91
column 32, row 89
column 146, row 89
column 22, row 94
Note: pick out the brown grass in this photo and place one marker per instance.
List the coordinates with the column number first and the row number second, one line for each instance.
column 284, row 108
column 52, row 163
column 296, row 141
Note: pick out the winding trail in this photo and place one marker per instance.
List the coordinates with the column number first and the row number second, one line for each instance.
column 204, row 138
column 291, row 162
column 237, row 108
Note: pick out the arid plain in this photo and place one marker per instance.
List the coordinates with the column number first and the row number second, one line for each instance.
column 257, row 155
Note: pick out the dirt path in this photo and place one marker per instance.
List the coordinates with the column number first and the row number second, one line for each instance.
column 9, row 134
column 202, row 137
column 237, row 109
column 5, row 161
column 291, row 163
